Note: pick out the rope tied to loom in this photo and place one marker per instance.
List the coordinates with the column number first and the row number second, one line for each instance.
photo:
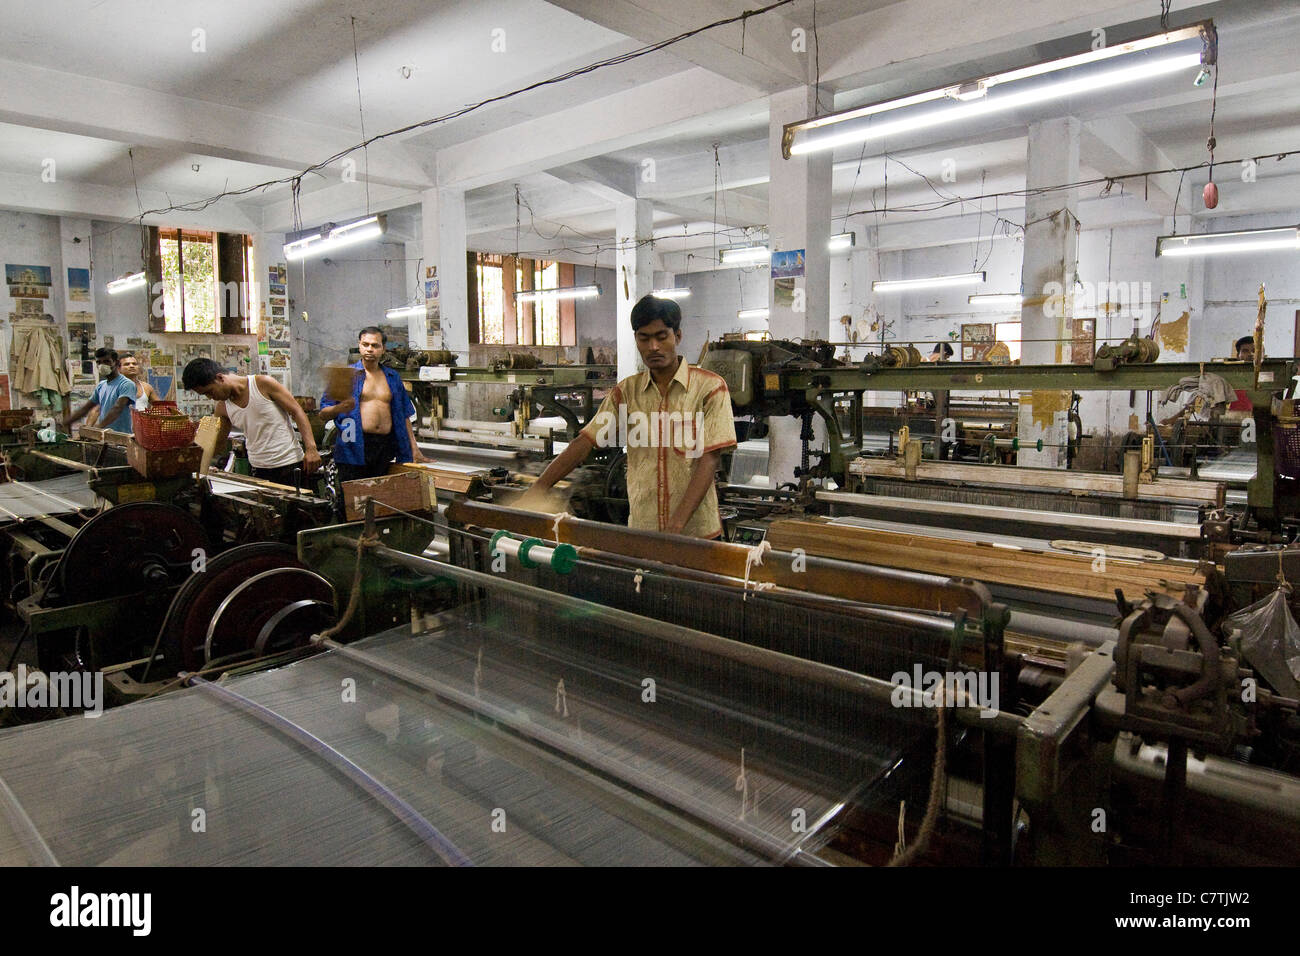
column 905, row 857
column 754, row 556
column 364, row 542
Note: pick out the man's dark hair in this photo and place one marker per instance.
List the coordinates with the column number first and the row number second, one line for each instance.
column 649, row 308
column 105, row 353
column 947, row 350
column 1244, row 340
column 200, row 372
column 373, row 330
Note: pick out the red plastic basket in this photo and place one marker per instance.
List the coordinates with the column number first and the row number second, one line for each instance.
column 162, row 426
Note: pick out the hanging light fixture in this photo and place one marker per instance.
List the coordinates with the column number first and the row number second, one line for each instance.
column 330, row 236
column 568, row 292
column 1162, row 54
column 930, row 282
column 1281, row 239
column 132, row 281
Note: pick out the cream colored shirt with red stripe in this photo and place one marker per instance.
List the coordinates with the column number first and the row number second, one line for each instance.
column 665, row 436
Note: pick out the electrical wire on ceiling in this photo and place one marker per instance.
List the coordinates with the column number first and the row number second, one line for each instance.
column 356, row 65
column 295, row 181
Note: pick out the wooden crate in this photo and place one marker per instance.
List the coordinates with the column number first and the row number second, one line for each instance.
column 407, row 491
column 164, row 464
column 11, row 418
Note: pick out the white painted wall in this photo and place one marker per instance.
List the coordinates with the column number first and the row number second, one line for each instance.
column 351, row 290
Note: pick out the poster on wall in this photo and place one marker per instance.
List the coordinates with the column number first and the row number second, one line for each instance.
column 277, row 332
column 787, row 264
column 28, row 282
column 185, row 354
column 78, row 285
column 783, row 292
column 235, row 359
column 4, row 393
column 976, row 340
column 160, row 359
column 164, row 385
column 277, row 273
column 81, row 323
column 279, row 359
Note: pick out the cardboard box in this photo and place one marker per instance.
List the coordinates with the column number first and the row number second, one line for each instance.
column 407, row 492
column 164, row 464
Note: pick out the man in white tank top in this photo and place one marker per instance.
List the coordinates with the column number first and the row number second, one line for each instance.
column 262, row 409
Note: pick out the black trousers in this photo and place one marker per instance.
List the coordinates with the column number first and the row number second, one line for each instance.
column 379, row 450
column 283, row 475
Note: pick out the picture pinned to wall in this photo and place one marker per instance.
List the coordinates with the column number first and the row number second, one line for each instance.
column 81, row 325
column 976, row 340
column 263, row 348
column 264, row 364
column 4, row 393
column 430, row 290
column 108, row 341
column 136, row 342
column 398, row 335
column 277, row 290
column 185, row 354
column 278, row 274
column 28, row 282
column 193, row 404
column 164, row 385
column 277, row 332
column 279, row 359
column 235, row 359
column 783, row 292
column 160, row 359
column 277, row 311
column 78, row 285
column 30, row 307
column 431, row 272
column 787, row 263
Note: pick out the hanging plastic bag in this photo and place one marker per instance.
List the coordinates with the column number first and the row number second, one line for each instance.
column 1270, row 641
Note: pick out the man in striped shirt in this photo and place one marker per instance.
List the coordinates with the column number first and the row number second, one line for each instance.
column 675, row 421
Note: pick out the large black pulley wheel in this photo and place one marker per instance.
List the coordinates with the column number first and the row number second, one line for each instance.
column 252, row 600
column 126, row 550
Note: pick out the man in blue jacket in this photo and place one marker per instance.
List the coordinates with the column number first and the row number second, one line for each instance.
column 375, row 423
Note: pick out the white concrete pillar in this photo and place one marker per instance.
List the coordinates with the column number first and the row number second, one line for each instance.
column 442, row 233
column 798, row 217
column 633, row 273
column 1047, row 281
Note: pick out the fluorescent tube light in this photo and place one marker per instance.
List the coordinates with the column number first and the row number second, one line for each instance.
column 745, row 254
column 996, row 298
column 1224, row 243
column 671, row 293
column 405, row 311
column 134, row 280
column 1096, row 70
column 752, row 314
column 932, row 282
column 345, row 235
column 841, row 241
column 568, row 292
